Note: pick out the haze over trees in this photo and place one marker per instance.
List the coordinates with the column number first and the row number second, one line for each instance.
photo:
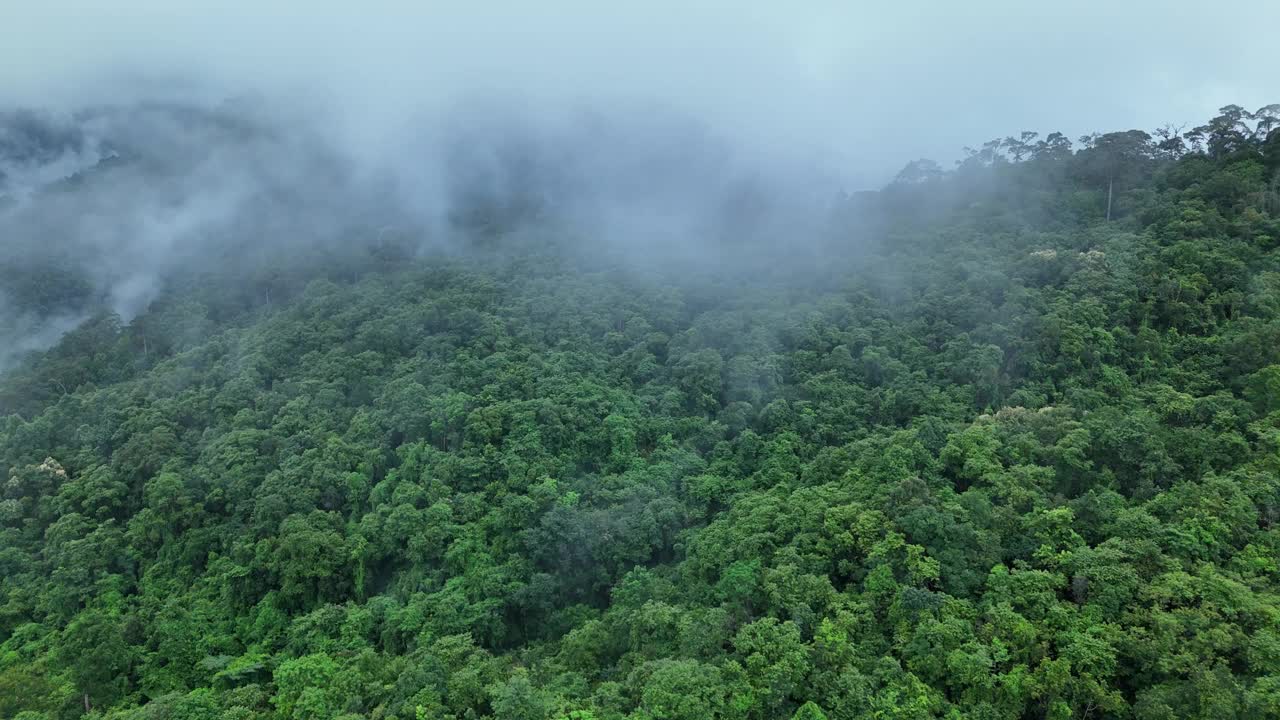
column 996, row 441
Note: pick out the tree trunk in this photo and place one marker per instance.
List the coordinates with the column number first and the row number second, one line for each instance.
column 1111, row 183
column 87, row 706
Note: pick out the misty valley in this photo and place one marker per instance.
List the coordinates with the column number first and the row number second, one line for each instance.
column 607, row 419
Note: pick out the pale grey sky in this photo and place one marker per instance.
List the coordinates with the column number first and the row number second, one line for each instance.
column 863, row 86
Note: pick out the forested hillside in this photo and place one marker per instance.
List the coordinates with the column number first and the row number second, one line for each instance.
column 1000, row 441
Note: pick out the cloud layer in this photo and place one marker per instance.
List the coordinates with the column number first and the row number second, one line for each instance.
column 862, row 86
column 155, row 136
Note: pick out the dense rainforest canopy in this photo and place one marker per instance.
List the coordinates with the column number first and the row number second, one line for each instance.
column 1010, row 449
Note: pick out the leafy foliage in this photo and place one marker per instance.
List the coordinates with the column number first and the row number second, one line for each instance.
column 1018, row 457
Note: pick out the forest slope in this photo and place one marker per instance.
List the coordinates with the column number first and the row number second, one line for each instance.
column 1011, row 451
